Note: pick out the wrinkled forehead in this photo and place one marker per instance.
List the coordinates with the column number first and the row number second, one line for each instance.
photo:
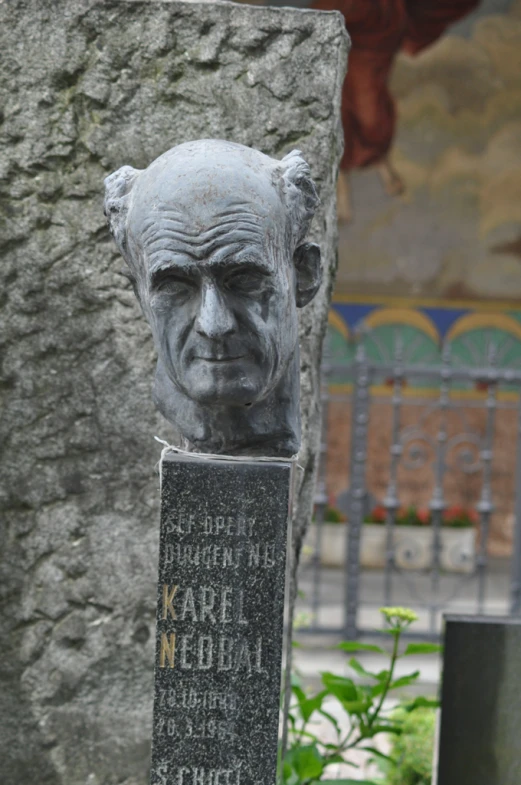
column 197, row 198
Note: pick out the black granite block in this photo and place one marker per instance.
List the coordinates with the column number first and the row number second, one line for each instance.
column 222, row 573
column 480, row 735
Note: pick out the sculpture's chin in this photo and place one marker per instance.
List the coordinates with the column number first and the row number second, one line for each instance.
column 246, row 412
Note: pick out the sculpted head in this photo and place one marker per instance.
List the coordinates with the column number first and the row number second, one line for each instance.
column 213, row 235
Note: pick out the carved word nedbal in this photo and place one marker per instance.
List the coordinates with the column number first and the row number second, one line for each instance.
column 207, row 652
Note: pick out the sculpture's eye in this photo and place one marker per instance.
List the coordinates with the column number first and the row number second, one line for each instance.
column 247, row 281
column 174, row 285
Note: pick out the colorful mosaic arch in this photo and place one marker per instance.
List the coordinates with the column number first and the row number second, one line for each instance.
column 475, row 333
column 410, row 317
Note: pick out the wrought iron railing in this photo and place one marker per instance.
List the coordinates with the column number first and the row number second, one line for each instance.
column 467, row 451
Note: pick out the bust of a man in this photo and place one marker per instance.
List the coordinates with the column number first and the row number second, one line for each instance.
column 213, row 235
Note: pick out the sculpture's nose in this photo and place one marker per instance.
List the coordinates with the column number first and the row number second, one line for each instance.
column 215, row 319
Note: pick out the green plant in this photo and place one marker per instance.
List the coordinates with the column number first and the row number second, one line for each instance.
column 412, row 749
column 308, row 757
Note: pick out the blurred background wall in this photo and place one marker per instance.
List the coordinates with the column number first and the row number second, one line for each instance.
column 438, row 266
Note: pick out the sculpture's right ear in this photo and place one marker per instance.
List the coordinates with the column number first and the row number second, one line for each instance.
column 118, row 186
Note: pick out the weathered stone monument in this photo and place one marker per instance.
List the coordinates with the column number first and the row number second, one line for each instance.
column 214, row 236
column 85, row 87
column 481, row 702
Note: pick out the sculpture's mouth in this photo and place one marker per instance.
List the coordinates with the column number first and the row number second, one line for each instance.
column 220, row 360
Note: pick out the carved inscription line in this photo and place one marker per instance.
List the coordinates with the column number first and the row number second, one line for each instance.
column 197, row 775
column 203, row 652
column 260, row 555
column 190, row 698
column 210, row 525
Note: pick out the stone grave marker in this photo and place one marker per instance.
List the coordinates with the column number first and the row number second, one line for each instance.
column 222, row 573
column 85, row 87
column 213, row 234
column 479, row 740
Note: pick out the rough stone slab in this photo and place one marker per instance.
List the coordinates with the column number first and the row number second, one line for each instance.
column 481, row 702
column 220, row 611
column 86, row 86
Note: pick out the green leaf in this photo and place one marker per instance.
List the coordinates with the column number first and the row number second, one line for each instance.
column 355, row 700
column 298, row 692
column 404, row 681
column 420, row 703
column 375, row 729
column 346, row 763
column 379, row 754
column 358, row 708
column 422, row 648
column 304, row 734
column 335, row 759
column 307, row 761
column 355, row 646
column 384, row 763
column 309, row 705
column 341, row 687
column 289, row 775
column 358, row 668
column 379, row 688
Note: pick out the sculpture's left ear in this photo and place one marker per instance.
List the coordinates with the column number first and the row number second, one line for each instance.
column 308, row 272
column 118, row 186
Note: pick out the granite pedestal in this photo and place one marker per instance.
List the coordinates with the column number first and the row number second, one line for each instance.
column 220, row 611
column 481, row 702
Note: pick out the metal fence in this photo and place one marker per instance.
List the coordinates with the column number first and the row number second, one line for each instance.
column 430, row 589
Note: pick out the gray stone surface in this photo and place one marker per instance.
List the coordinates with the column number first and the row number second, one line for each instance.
column 213, row 234
column 84, row 88
column 220, row 609
column 481, row 702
